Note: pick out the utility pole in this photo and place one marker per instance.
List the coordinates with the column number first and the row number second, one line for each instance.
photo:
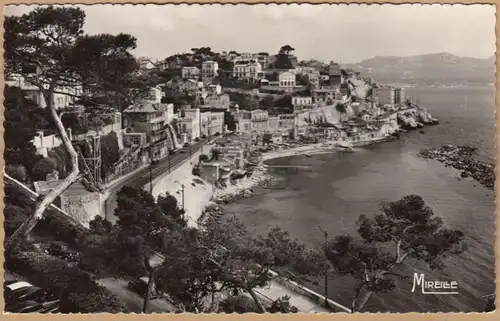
column 325, row 234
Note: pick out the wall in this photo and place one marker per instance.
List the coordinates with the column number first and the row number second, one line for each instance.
column 44, row 144
column 84, row 207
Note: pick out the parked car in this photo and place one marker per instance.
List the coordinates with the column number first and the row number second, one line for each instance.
column 63, row 252
column 23, row 297
column 171, row 152
column 140, row 286
column 182, row 151
column 186, row 145
column 154, row 162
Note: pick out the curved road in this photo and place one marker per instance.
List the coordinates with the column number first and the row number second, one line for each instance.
column 141, row 178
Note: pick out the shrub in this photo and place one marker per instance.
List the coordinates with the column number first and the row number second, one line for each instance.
column 16, row 172
column 196, row 170
column 203, row 158
column 14, row 216
column 238, row 304
column 42, row 168
column 60, row 230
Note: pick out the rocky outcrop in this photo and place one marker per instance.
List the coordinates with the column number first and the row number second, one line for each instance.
column 461, row 158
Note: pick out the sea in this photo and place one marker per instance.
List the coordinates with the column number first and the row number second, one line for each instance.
column 342, row 186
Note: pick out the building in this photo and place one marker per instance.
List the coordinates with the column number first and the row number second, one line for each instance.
column 153, row 119
column 214, row 89
column 301, row 101
column 390, row 95
column 259, row 120
column 313, row 78
column 190, row 86
column 217, row 101
column 191, row 73
column 65, row 96
column 189, row 123
column 335, row 75
column 249, row 70
column 287, row 80
column 323, row 96
column 211, row 123
column 145, row 63
column 209, row 71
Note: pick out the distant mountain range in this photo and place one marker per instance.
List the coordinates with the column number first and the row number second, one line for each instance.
column 430, row 69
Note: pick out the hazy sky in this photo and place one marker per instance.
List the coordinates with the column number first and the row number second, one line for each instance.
column 346, row 33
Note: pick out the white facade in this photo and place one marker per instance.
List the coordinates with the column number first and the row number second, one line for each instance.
column 191, row 72
column 190, row 123
column 287, row 79
column 301, row 101
column 209, row 70
column 250, row 70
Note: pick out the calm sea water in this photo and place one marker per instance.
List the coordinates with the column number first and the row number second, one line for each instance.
column 343, row 186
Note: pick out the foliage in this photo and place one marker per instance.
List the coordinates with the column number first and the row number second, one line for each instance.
column 414, row 232
column 42, row 168
column 196, row 170
column 78, row 291
column 203, row 158
column 283, row 60
column 22, row 118
column 17, row 172
column 14, row 216
column 170, row 207
column 282, row 305
column 238, row 304
column 62, row 160
column 229, row 120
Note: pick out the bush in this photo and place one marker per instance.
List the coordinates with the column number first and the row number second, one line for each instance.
column 196, row 170
column 16, row 172
column 78, row 291
column 14, row 216
column 60, row 230
column 42, row 168
column 238, row 304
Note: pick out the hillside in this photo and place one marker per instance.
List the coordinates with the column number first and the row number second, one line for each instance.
column 431, row 69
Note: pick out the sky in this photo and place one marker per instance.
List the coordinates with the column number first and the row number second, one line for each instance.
column 344, row 33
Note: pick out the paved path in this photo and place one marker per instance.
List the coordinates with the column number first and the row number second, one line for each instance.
column 305, row 305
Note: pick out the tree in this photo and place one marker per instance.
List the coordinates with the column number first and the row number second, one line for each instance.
column 23, row 118
column 244, row 261
column 287, row 50
column 414, row 232
column 229, row 120
column 50, row 40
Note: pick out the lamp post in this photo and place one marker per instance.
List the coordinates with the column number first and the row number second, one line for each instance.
column 325, row 234
column 182, row 191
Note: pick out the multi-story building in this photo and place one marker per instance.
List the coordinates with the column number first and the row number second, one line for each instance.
column 287, row 80
column 153, row 119
column 191, row 73
column 250, row 70
column 390, row 95
column 189, row 123
column 217, row 101
column 211, row 123
column 301, row 101
column 323, row 96
column 259, row 120
column 209, row 71
column 334, row 73
column 313, row 78
column 190, row 86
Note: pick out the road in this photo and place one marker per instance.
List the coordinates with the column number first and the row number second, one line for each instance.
column 141, row 178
